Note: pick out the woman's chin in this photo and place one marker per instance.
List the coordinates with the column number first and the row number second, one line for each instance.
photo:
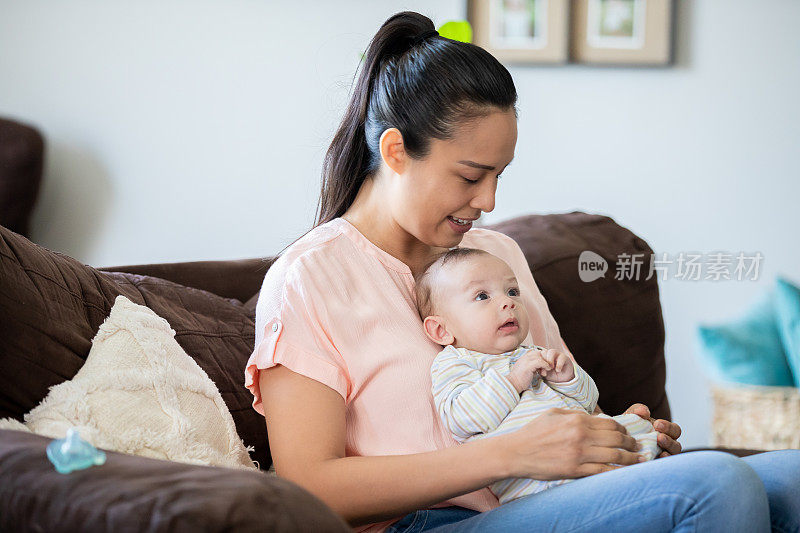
column 452, row 239
column 448, row 242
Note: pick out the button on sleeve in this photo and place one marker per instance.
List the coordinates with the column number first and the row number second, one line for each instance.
column 297, row 335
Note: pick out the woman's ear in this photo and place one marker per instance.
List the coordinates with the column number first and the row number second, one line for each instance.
column 436, row 331
column 393, row 150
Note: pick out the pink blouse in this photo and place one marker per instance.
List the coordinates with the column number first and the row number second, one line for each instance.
column 338, row 309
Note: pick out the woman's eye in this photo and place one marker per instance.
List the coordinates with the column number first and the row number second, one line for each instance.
column 469, row 180
column 478, row 296
column 513, row 292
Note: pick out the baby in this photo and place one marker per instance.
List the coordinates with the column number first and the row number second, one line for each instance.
column 485, row 382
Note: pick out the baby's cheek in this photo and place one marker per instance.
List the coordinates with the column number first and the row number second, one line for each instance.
column 473, row 334
column 485, row 335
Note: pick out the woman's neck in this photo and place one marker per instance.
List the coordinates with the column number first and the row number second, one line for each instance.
column 383, row 231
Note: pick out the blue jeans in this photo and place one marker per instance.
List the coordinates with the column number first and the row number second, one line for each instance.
column 693, row 491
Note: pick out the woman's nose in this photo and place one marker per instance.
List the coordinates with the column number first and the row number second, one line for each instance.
column 485, row 198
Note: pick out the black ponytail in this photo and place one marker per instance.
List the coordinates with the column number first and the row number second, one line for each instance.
column 424, row 89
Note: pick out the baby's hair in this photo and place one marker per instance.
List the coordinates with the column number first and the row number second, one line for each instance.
column 426, row 300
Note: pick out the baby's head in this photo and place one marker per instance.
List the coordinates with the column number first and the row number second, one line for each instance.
column 471, row 299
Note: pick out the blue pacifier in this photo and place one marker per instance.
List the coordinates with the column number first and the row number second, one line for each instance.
column 73, row 453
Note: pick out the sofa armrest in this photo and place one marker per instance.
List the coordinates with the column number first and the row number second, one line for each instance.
column 132, row 493
column 237, row 278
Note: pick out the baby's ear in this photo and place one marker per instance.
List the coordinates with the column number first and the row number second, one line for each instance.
column 435, row 330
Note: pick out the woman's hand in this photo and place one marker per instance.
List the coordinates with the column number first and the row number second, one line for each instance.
column 668, row 432
column 564, row 443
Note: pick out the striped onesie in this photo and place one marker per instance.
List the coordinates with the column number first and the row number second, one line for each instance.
column 476, row 400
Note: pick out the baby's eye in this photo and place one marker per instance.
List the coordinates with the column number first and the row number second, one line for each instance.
column 478, row 296
column 513, row 292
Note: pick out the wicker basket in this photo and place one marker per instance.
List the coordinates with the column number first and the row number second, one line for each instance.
column 759, row 418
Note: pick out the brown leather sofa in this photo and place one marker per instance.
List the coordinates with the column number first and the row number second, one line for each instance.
column 52, row 305
column 21, row 164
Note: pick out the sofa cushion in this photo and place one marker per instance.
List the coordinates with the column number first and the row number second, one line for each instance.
column 139, row 393
column 747, row 349
column 614, row 328
column 788, row 309
column 52, row 305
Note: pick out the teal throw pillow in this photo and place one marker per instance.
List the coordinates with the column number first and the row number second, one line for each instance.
column 787, row 303
column 747, row 350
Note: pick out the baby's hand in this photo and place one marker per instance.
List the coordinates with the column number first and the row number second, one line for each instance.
column 528, row 365
column 552, row 365
column 560, row 369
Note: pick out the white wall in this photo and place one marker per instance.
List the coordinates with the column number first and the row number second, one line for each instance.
column 187, row 130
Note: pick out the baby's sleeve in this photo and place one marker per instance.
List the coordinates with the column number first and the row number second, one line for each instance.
column 295, row 335
column 581, row 388
column 468, row 401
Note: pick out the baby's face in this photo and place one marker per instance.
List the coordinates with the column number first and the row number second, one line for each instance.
column 479, row 304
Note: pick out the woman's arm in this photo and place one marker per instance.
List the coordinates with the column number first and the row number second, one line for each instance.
column 306, row 427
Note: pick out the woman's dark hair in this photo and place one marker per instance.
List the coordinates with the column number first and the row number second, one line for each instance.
column 424, row 89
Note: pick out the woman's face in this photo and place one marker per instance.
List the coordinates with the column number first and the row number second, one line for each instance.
column 457, row 179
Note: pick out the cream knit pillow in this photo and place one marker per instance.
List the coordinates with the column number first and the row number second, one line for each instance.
column 139, row 393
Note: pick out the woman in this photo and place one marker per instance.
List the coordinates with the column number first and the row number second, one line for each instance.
column 341, row 367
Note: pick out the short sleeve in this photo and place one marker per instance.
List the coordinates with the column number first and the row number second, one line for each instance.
column 295, row 335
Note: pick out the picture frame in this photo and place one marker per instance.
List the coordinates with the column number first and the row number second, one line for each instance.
column 621, row 32
column 522, row 31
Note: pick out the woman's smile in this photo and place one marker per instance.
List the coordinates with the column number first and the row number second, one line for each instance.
column 458, row 227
